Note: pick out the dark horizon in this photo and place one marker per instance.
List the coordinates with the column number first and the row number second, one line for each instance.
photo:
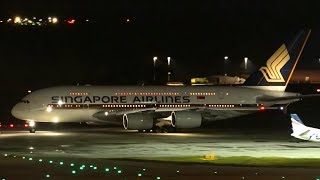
column 109, row 50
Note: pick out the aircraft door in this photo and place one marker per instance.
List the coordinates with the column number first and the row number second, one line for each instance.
column 86, row 107
column 221, row 95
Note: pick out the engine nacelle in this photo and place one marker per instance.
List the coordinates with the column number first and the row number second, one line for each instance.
column 137, row 121
column 183, row 119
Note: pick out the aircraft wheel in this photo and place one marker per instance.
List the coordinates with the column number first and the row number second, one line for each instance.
column 172, row 129
column 32, row 130
column 168, row 129
column 165, row 130
column 157, row 129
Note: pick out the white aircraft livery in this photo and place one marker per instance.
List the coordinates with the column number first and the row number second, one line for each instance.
column 303, row 132
column 165, row 108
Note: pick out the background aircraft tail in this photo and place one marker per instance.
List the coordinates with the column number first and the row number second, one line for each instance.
column 295, row 118
column 278, row 70
column 298, row 127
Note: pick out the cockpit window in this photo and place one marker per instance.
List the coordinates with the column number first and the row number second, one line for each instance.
column 25, row 101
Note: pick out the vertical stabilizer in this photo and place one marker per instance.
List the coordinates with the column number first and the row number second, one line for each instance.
column 298, row 127
column 276, row 73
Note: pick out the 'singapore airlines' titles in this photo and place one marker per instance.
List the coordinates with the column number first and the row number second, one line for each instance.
column 120, row 99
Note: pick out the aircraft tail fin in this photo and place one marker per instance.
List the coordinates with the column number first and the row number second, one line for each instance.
column 295, row 119
column 280, row 66
column 298, row 127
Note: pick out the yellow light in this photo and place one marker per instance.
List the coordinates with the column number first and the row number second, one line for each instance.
column 32, row 123
column 56, row 120
column 209, row 157
column 60, row 102
column 54, row 20
column 17, row 19
column 49, row 109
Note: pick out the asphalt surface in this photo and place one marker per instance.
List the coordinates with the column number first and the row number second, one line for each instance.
column 102, row 147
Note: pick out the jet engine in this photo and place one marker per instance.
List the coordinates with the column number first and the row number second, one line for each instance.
column 138, row 121
column 183, row 119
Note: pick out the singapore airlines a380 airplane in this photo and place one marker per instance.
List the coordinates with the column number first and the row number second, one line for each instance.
column 165, row 108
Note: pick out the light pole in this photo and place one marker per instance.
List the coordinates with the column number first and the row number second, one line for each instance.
column 245, row 63
column 225, row 64
column 169, row 70
column 155, row 58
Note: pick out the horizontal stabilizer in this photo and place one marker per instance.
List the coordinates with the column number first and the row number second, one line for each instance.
column 271, row 99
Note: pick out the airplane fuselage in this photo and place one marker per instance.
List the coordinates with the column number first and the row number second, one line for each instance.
column 81, row 103
column 310, row 134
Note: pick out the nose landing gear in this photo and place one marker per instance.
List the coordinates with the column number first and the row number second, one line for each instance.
column 32, row 127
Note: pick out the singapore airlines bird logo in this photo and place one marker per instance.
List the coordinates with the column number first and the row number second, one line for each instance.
column 274, row 64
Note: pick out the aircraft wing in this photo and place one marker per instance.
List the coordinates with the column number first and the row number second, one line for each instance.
column 304, row 133
column 283, row 100
column 114, row 115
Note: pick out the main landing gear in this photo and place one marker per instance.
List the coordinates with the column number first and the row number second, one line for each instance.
column 158, row 129
column 164, row 129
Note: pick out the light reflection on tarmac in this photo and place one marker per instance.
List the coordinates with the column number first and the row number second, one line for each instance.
column 97, row 143
column 97, row 146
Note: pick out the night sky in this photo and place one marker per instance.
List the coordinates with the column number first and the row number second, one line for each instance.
column 109, row 50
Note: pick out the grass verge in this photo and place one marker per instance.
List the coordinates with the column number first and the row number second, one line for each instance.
column 242, row 161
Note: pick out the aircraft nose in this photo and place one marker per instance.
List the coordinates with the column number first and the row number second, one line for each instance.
column 17, row 111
